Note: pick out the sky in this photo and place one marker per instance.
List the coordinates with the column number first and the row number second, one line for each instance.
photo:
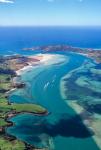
column 50, row 12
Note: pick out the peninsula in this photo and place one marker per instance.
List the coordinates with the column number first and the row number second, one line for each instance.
column 13, row 66
column 94, row 54
column 9, row 65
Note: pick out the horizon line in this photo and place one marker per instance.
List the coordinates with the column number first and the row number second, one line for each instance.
column 50, row 25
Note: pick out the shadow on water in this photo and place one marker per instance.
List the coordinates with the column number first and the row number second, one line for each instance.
column 72, row 127
column 60, row 122
column 32, row 128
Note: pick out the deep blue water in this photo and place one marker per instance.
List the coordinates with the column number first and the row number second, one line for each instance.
column 13, row 39
column 64, row 129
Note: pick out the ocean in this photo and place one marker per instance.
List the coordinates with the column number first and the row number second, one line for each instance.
column 62, row 129
column 14, row 39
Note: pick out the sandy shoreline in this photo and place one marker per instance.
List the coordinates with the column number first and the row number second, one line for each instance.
column 44, row 59
column 41, row 58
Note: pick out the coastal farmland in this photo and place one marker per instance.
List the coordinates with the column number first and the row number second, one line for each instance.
column 8, row 110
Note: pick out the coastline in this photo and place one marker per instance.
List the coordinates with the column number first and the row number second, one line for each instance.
column 43, row 59
column 89, row 52
column 14, row 113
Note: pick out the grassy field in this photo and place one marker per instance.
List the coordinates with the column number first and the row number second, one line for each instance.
column 18, row 108
column 11, row 145
column 4, row 108
column 5, row 84
column 2, row 122
column 33, row 108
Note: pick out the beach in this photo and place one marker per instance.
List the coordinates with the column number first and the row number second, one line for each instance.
column 41, row 59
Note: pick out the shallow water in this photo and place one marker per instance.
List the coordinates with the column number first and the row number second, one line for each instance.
column 63, row 125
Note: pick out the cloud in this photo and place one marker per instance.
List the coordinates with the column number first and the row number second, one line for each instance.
column 6, row 1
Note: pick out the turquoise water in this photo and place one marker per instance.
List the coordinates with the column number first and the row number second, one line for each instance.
column 63, row 126
column 59, row 125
